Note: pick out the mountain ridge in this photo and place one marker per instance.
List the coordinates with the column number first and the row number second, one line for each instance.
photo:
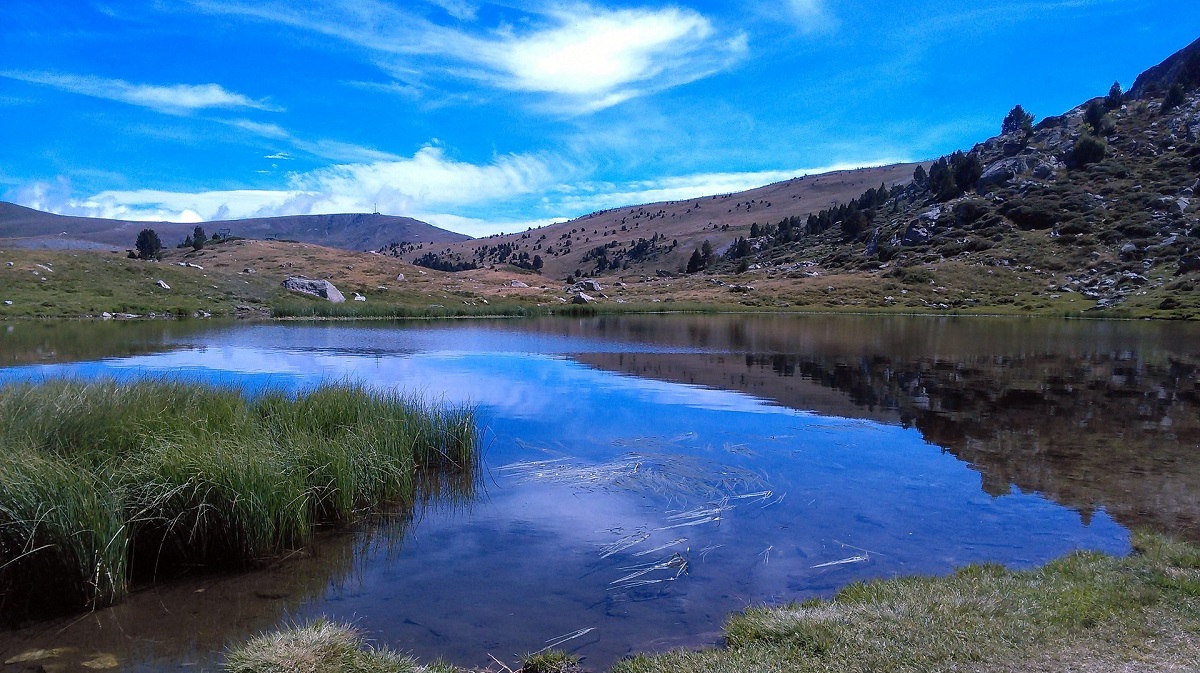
column 350, row 231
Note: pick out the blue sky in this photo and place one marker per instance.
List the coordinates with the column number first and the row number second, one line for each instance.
column 482, row 117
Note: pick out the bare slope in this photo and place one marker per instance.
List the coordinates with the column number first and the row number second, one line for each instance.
column 670, row 229
column 350, row 231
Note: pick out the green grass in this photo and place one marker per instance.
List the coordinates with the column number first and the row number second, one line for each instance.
column 1086, row 611
column 105, row 483
column 1086, row 608
column 58, row 284
column 550, row 661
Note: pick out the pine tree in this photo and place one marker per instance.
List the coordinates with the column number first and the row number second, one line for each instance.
column 1113, row 100
column 1017, row 121
column 149, row 245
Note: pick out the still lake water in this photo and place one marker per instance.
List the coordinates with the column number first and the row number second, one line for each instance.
column 646, row 476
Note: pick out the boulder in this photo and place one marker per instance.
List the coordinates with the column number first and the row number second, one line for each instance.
column 589, row 285
column 741, row 288
column 163, row 284
column 1188, row 264
column 915, row 234
column 582, row 298
column 1001, row 172
column 399, row 276
column 248, row 270
column 517, row 283
column 1047, row 168
column 359, row 297
column 317, row 288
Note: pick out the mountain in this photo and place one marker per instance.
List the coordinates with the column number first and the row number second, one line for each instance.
column 353, row 231
column 1097, row 203
column 647, row 237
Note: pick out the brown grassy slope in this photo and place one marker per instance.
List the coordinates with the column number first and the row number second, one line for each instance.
column 690, row 222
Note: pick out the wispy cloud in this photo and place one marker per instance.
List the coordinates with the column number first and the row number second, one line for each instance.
column 171, row 99
column 428, row 183
column 328, row 149
column 588, row 57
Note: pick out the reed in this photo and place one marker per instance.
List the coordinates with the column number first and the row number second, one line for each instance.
column 103, row 483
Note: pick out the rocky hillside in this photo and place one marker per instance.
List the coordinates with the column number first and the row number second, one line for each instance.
column 649, row 237
column 1097, row 201
column 351, row 231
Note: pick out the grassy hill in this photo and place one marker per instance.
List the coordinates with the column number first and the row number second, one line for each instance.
column 352, row 231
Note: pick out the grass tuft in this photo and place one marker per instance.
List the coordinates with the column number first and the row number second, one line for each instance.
column 320, row 647
column 550, row 661
column 104, row 483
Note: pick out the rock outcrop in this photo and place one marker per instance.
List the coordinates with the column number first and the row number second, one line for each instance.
column 317, row 288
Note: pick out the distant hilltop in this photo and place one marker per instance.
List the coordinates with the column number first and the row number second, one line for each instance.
column 350, row 231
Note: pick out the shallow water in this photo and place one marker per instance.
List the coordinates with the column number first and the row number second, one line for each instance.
column 646, row 476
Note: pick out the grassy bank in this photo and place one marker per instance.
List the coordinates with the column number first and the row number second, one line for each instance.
column 1086, row 611
column 105, row 483
column 320, row 309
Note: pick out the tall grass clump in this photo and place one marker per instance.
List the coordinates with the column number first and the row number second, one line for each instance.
column 104, row 483
column 319, row 647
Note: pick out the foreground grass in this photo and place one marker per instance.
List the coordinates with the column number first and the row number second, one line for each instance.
column 103, row 483
column 1087, row 611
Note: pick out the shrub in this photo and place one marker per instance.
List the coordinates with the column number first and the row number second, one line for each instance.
column 1087, row 150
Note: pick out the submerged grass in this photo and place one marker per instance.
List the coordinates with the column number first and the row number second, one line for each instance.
column 102, row 483
column 1086, row 611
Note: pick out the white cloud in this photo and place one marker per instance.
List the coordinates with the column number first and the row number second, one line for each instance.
column 426, row 184
column 592, row 57
column 172, row 99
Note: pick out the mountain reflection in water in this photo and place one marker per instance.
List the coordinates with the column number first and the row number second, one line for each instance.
column 648, row 475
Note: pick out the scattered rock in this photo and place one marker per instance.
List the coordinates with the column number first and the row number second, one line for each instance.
column 317, row 288
column 8, row 302
column 741, row 288
column 102, row 662
column 589, row 285
column 248, row 270
column 38, row 655
column 663, row 273
column 163, row 284
column 359, row 297
column 517, row 283
column 195, row 266
column 582, row 298
column 106, row 316
column 399, row 276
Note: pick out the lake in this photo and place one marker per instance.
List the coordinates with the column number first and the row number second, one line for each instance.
column 645, row 476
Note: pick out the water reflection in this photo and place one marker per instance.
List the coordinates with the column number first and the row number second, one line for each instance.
column 649, row 475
